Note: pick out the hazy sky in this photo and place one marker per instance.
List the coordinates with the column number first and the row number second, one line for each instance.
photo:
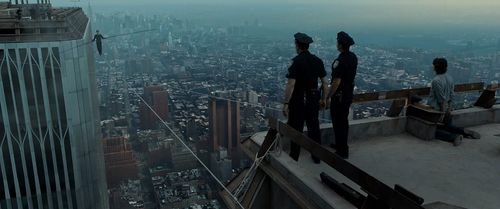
column 480, row 15
column 418, row 8
column 458, row 3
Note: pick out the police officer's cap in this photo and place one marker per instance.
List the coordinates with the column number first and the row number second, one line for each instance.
column 303, row 38
column 344, row 39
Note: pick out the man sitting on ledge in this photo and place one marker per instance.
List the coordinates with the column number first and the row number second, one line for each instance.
column 441, row 99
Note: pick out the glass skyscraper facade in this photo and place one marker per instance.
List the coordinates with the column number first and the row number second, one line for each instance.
column 50, row 150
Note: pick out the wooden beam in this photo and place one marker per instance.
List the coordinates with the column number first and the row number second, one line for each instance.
column 373, row 186
column 405, row 93
column 425, row 113
column 396, row 107
column 352, row 196
column 487, row 98
column 469, row 87
column 254, row 189
column 268, row 141
column 493, row 87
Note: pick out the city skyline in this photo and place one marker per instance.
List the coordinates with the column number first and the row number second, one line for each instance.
column 376, row 17
column 181, row 86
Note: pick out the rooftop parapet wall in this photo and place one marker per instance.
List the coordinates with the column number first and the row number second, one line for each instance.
column 367, row 129
column 395, row 123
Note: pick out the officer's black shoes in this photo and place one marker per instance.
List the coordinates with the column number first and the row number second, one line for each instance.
column 344, row 156
column 316, row 160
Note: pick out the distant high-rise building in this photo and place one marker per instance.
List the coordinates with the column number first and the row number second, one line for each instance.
column 170, row 40
column 253, row 97
column 224, row 119
column 191, row 130
column 221, row 165
column 50, row 150
column 139, row 65
column 121, row 164
column 157, row 98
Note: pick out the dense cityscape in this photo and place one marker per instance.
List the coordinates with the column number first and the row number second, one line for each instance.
column 164, row 108
column 191, row 74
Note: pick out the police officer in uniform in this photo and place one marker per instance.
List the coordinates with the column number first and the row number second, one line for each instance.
column 341, row 92
column 302, row 96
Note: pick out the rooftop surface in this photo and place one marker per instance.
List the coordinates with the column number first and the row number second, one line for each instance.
column 40, row 22
column 466, row 176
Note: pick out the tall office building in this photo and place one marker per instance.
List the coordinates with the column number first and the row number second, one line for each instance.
column 157, row 98
column 224, row 119
column 121, row 163
column 253, row 97
column 50, row 150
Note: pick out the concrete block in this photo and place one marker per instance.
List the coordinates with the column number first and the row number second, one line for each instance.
column 476, row 116
column 375, row 127
column 366, row 129
column 420, row 128
column 496, row 117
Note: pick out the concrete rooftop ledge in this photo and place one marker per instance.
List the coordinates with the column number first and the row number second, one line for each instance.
column 368, row 129
column 467, row 176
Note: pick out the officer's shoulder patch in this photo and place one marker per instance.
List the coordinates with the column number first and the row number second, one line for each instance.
column 335, row 64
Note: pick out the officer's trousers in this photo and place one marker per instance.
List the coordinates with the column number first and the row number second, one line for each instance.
column 308, row 113
column 340, row 119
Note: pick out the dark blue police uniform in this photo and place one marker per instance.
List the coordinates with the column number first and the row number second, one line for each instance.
column 306, row 69
column 344, row 67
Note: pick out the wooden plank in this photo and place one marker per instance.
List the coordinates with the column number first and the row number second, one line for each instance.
column 366, row 97
column 487, row 99
column 372, row 185
column 231, row 187
column 461, row 88
column 405, row 93
column 396, row 107
column 268, row 141
column 425, row 113
column 352, row 196
column 493, row 87
column 254, row 189
column 390, row 95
